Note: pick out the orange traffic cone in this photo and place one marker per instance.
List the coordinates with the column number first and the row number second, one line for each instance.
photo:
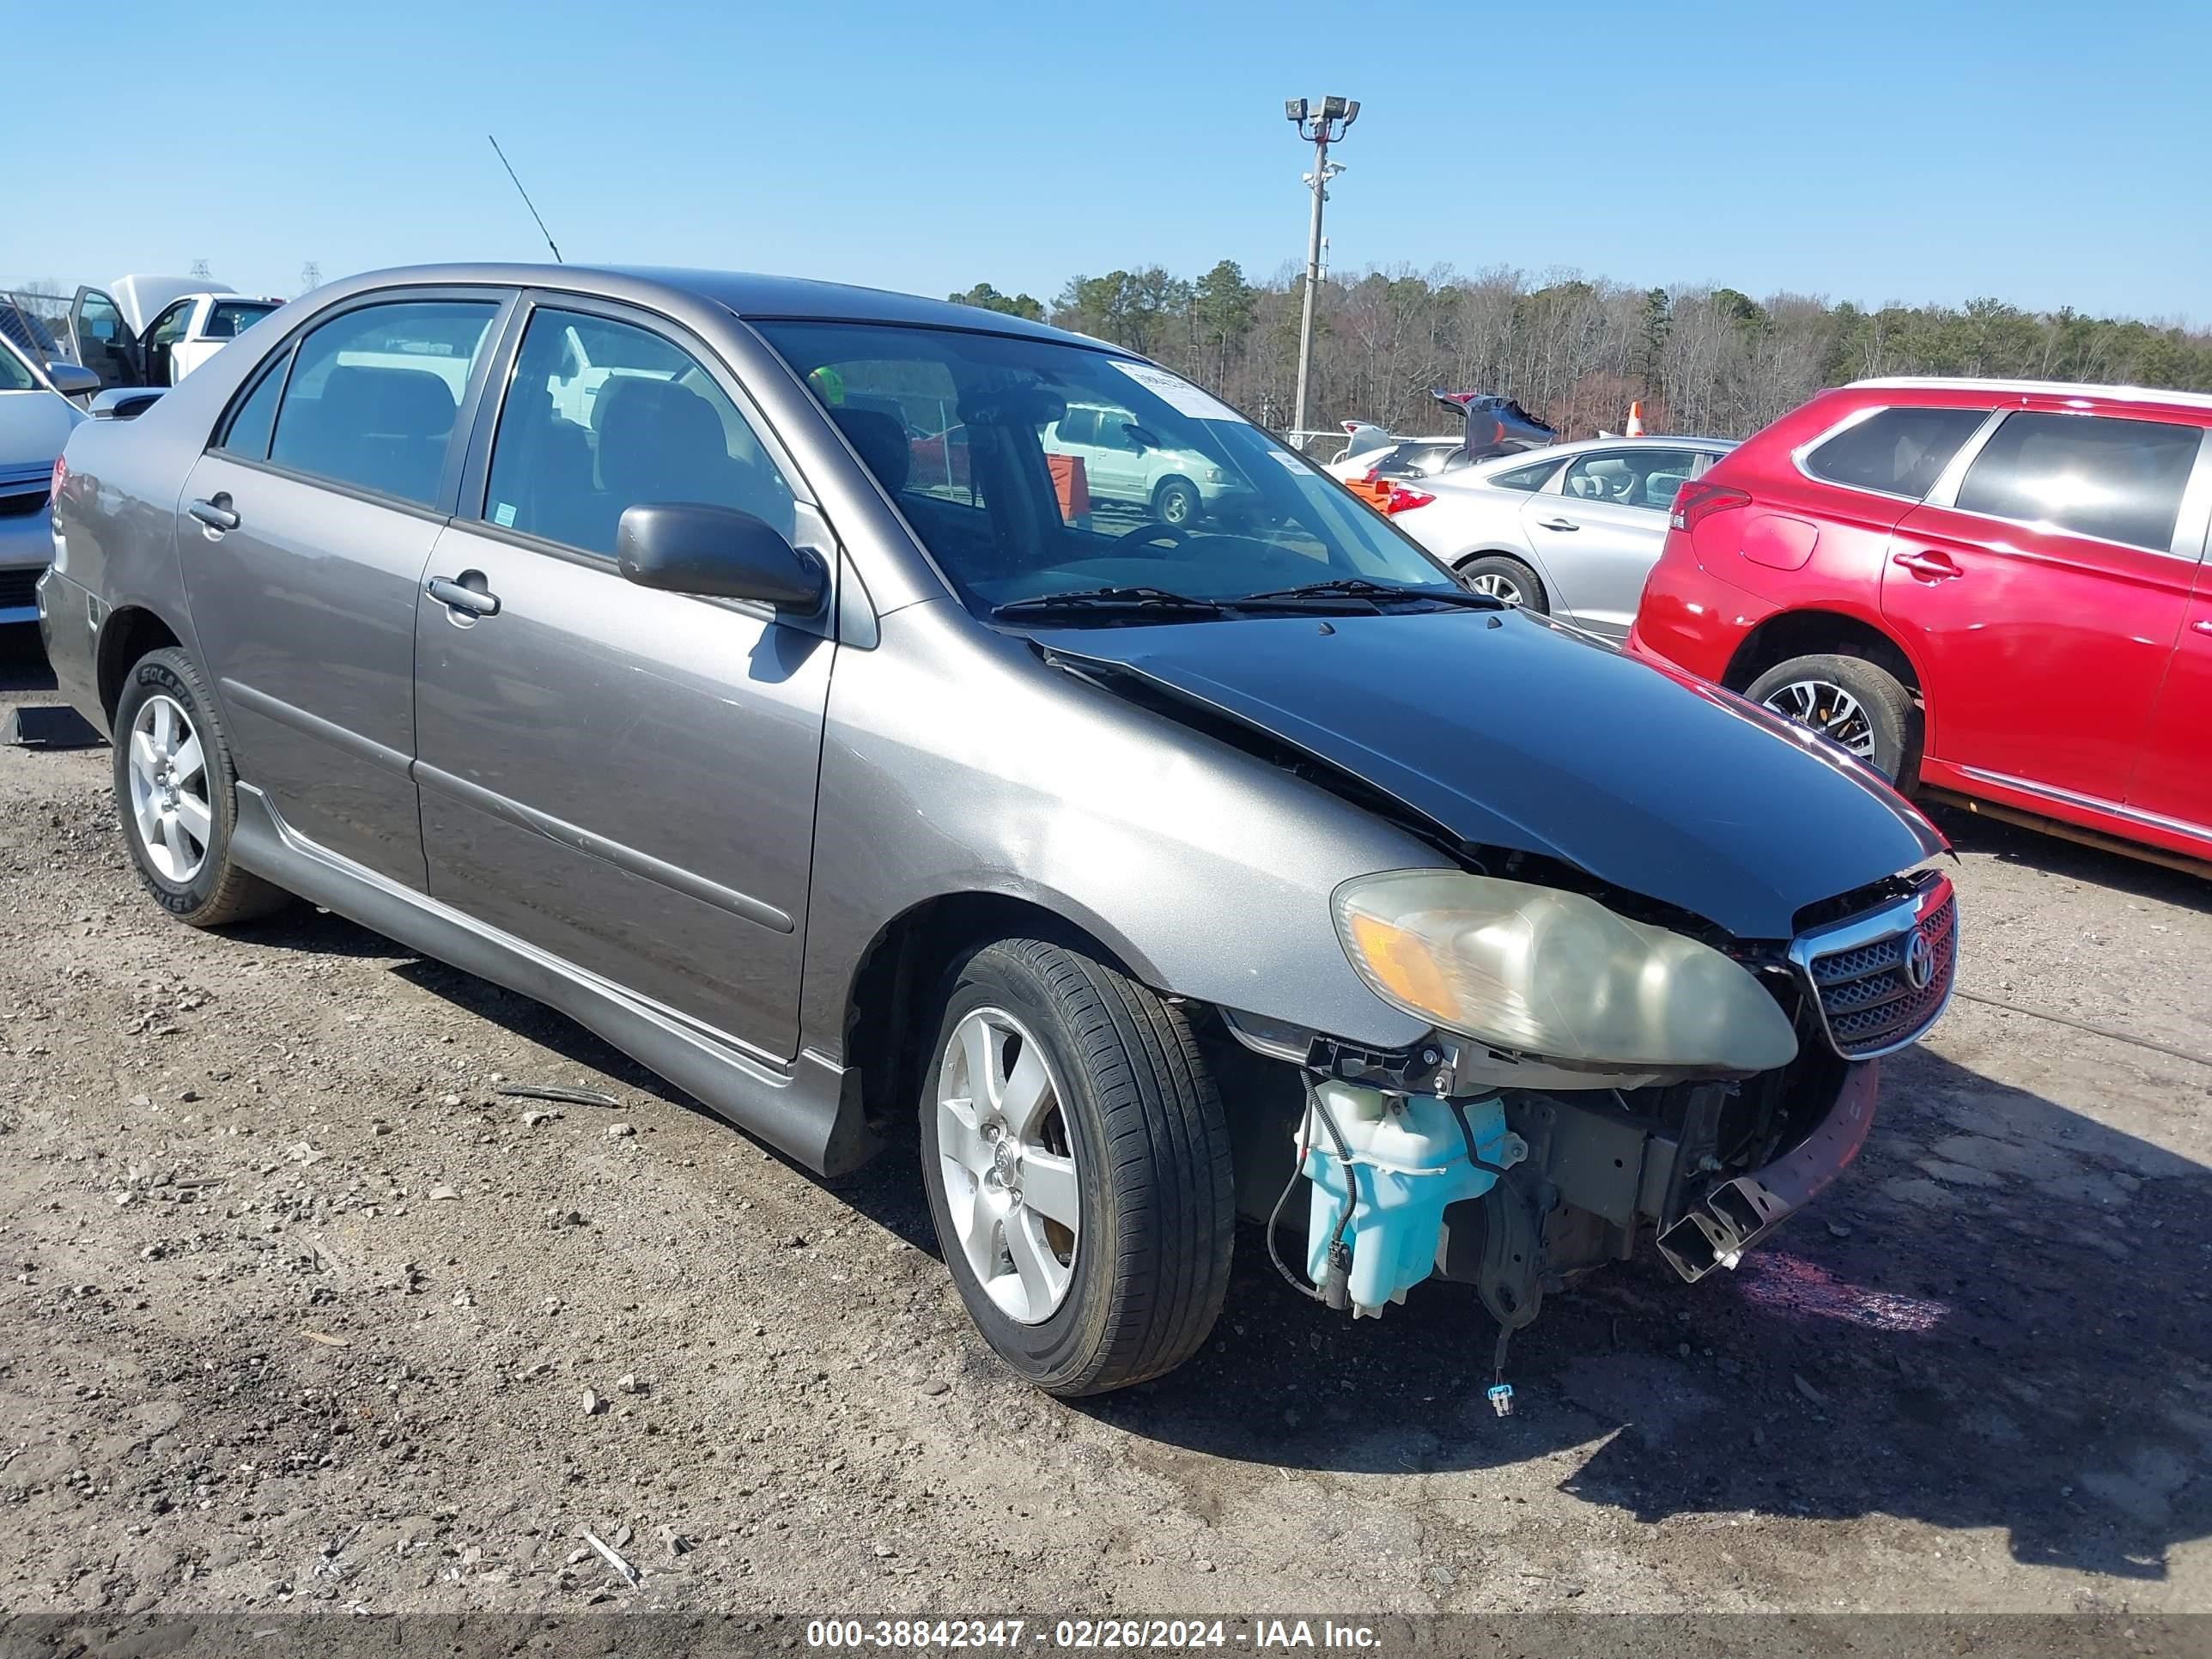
column 1635, row 420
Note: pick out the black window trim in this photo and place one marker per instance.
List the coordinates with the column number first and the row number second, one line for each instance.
column 502, row 298
column 2185, row 544
column 1802, row 456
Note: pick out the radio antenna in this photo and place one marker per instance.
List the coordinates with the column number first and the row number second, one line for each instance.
column 526, row 202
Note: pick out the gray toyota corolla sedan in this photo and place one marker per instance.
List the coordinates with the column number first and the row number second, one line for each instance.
column 725, row 661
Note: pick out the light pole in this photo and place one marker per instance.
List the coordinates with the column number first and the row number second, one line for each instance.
column 1320, row 127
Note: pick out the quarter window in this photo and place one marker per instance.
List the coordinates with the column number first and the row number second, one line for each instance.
column 601, row 416
column 1646, row 478
column 2119, row 481
column 373, row 394
column 253, row 420
column 1898, row 452
column 1523, row 477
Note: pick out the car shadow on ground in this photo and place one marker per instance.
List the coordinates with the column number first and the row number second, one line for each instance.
column 1998, row 1319
column 2056, row 856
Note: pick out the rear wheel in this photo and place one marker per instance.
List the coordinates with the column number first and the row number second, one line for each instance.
column 1504, row 578
column 174, row 786
column 1851, row 702
column 1077, row 1169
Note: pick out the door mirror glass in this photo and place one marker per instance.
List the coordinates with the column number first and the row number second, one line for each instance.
column 71, row 379
column 716, row 553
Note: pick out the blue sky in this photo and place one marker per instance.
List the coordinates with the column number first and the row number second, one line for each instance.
column 2046, row 153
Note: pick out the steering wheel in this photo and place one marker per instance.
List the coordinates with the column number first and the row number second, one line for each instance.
column 1173, row 534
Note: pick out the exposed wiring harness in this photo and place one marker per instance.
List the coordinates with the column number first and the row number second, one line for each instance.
column 1334, row 1290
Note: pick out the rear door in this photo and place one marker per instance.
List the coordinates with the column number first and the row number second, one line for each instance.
column 1599, row 526
column 303, row 533
column 623, row 777
column 164, row 335
column 2171, row 790
column 2039, row 590
column 102, row 341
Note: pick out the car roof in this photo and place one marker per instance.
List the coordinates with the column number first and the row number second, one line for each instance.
column 1584, row 446
column 747, row 294
column 2136, row 394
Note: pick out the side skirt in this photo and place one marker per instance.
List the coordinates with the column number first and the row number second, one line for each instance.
column 811, row 1112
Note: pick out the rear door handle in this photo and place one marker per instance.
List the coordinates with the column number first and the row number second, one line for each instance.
column 215, row 515
column 458, row 596
column 2205, row 626
column 1930, row 567
column 1556, row 524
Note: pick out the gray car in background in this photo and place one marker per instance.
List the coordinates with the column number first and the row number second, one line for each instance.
column 1571, row 531
column 604, row 634
column 36, row 417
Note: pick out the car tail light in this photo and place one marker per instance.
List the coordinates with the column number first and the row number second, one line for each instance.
column 61, row 477
column 1403, row 500
column 1696, row 501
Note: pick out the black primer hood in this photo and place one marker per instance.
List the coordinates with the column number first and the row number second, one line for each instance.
column 1510, row 734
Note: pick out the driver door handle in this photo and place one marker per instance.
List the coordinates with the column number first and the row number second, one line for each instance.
column 1556, row 524
column 458, row 596
column 2205, row 626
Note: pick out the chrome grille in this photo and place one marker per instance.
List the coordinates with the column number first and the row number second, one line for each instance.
column 1866, row 971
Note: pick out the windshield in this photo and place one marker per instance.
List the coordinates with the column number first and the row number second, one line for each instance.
column 1031, row 468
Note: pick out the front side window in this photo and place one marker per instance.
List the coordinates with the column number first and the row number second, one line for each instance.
column 1643, row 478
column 374, row 393
column 2119, row 481
column 98, row 321
column 1898, row 452
column 169, row 327
column 1215, row 510
column 601, row 416
column 231, row 317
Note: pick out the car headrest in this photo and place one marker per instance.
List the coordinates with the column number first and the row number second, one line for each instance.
column 656, row 437
column 387, row 403
column 881, row 441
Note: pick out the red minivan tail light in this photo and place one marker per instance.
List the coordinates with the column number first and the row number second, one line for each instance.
column 1696, row 501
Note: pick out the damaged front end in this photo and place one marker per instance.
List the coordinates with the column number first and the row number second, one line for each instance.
column 1647, row 1090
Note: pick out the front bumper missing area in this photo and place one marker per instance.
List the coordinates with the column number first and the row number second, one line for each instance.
column 1737, row 1214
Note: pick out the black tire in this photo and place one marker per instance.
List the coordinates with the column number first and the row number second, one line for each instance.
column 1154, row 1191
column 217, row 891
column 1801, row 690
column 1177, row 501
column 1506, row 572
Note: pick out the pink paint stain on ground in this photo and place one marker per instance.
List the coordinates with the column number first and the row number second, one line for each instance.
column 1789, row 1285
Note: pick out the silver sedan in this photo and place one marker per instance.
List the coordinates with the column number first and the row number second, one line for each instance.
column 1571, row 531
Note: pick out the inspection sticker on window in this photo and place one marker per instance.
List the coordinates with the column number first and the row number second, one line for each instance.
column 1176, row 393
column 504, row 515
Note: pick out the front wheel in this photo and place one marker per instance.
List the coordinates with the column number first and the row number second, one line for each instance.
column 174, row 789
column 1077, row 1169
column 1852, row 703
column 1177, row 501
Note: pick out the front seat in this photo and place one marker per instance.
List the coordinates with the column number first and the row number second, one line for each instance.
column 660, row 442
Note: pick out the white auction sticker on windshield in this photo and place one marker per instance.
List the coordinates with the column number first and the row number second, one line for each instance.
column 1290, row 462
column 1176, row 393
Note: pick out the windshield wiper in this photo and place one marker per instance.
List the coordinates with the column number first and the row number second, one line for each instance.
column 1135, row 600
column 1380, row 593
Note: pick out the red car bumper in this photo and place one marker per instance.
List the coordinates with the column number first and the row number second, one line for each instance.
column 1692, row 619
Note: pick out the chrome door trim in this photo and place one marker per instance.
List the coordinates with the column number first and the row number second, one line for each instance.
column 2094, row 803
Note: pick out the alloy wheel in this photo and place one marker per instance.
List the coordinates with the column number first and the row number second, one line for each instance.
column 169, row 789
column 1011, row 1181
column 1825, row 706
column 1497, row 584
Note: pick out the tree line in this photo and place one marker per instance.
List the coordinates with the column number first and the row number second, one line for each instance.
column 1709, row 360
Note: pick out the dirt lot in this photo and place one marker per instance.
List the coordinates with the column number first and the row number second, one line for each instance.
column 297, row 1311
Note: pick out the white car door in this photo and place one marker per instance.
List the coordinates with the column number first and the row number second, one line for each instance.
column 1598, row 528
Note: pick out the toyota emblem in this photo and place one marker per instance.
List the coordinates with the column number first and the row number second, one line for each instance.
column 1919, row 961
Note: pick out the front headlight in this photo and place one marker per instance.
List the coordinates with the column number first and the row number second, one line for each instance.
column 1555, row 974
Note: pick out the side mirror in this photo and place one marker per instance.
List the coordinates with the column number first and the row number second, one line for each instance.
column 717, row 553
column 1139, row 437
column 72, row 380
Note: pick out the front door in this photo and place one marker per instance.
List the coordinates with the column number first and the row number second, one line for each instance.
column 303, row 532
column 2041, row 602
column 102, row 341
column 1598, row 528
column 2172, row 784
column 623, row 777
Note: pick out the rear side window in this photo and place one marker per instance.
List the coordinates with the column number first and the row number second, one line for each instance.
column 1898, row 452
column 2119, row 481
column 374, row 393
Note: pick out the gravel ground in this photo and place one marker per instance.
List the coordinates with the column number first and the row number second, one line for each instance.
column 298, row 1311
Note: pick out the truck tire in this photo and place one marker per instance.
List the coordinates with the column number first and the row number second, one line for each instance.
column 1853, row 703
column 175, row 789
column 1078, row 1167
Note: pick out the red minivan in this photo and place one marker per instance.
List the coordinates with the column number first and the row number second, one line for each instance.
column 1994, row 592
